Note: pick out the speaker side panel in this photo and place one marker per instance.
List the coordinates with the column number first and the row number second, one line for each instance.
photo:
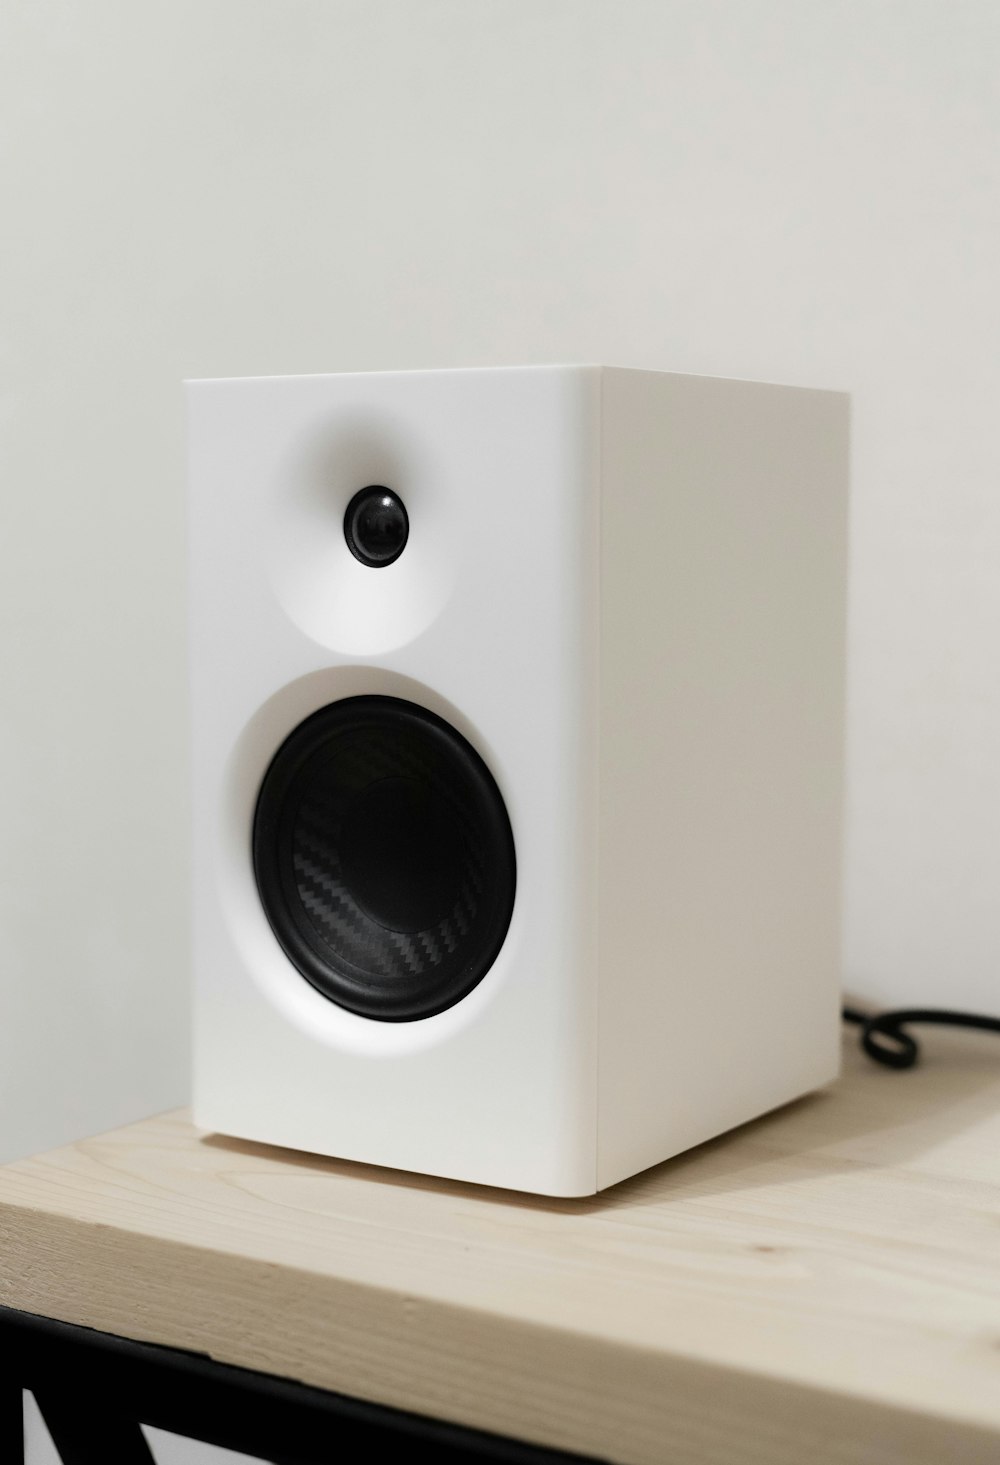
column 488, row 620
column 722, row 725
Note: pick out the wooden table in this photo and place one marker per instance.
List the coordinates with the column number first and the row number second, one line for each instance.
column 820, row 1286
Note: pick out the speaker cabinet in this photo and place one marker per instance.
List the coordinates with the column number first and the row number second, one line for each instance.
column 518, row 722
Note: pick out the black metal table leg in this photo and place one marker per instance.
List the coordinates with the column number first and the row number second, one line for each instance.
column 89, row 1431
column 12, row 1421
column 84, row 1380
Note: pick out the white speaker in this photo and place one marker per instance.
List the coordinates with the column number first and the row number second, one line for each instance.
column 518, row 723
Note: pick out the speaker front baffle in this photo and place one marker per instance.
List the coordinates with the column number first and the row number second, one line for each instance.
column 518, row 741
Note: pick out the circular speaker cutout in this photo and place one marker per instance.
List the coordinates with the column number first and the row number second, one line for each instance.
column 384, row 858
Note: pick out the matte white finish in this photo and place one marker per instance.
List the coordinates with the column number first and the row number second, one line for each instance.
column 483, row 619
column 627, row 590
column 723, row 552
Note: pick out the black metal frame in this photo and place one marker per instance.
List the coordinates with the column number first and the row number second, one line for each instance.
column 93, row 1389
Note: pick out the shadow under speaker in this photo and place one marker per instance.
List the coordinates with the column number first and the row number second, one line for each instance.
column 518, row 745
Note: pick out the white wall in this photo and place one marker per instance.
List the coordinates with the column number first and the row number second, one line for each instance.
column 801, row 192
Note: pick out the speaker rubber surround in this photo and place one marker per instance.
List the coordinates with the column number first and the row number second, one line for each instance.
column 384, row 858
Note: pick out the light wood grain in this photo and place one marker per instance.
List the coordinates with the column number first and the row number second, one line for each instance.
column 822, row 1285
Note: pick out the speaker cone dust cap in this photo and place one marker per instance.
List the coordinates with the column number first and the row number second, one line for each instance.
column 384, row 858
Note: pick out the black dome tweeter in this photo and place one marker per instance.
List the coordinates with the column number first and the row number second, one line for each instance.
column 384, row 858
column 376, row 526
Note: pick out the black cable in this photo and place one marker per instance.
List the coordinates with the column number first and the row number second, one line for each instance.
column 884, row 1038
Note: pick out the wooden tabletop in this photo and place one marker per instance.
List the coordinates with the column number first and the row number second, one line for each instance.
column 822, row 1285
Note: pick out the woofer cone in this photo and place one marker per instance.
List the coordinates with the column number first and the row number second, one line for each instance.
column 384, row 858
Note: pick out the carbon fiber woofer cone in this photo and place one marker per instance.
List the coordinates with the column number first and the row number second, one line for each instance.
column 384, row 858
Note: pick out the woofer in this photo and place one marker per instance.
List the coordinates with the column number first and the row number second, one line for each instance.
column 384, row 858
